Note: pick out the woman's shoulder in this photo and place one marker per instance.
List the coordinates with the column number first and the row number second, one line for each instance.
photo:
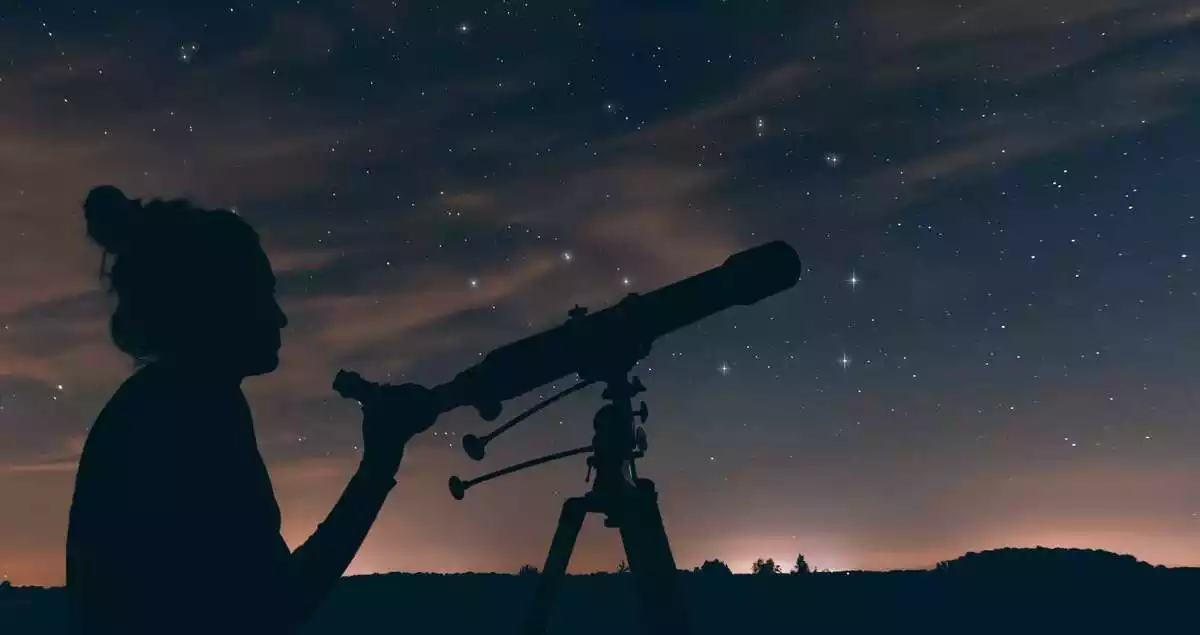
column 148, row 391
column 126, row 436
column 156, row 400
column 158, row 420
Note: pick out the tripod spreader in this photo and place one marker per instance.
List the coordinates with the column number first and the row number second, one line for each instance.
column 459, row 487
column 477, row 446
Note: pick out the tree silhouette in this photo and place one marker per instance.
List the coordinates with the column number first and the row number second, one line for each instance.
column 528, row 570
column 714, row 567
column 801, row 567
column 765, row 567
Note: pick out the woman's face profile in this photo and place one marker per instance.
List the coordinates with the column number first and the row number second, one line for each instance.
column 245, row 333
column 265, row 318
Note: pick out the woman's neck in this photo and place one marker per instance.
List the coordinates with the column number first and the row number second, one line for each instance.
column 199, row 371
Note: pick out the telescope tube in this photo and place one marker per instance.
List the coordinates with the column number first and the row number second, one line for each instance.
column 585, row 343
column 612, row 340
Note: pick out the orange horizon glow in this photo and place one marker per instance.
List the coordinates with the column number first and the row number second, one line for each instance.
column 44, row 572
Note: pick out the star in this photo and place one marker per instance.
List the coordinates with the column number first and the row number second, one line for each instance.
column 853, row 280
column 844, row 361
column 723, row 368
column 473, row 283
column 567, row 256
column 187, row 51
column 833, row 159
column 464, row 27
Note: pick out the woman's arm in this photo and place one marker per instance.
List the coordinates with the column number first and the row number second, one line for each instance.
column 318, row 564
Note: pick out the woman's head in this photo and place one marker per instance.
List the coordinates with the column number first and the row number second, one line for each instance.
column 193, row 286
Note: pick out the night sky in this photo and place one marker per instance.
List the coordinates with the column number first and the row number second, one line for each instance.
column 994, row 343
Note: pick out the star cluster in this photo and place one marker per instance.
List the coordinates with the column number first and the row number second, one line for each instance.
column 991, row 344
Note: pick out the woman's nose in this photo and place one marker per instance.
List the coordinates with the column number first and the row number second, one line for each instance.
column 281, row 317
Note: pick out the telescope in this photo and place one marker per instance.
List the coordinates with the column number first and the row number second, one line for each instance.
column 604, row 347
column 592, row 344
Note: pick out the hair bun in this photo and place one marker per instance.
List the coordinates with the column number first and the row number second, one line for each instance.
column 112, row 218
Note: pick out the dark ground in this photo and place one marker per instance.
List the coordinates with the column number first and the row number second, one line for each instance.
column 1010, row 591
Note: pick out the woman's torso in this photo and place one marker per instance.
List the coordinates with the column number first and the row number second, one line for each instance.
column 170, row 471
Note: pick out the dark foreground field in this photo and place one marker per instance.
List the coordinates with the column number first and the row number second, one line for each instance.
column 1019, row 591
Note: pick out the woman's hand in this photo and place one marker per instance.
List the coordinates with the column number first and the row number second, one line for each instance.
column 391, row 418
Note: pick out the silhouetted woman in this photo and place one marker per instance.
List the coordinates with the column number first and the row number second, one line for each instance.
column 174, row 526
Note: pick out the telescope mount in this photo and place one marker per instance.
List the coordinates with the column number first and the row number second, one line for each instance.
column 628, row 502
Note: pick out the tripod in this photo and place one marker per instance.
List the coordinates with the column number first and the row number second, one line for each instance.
column 629, row 504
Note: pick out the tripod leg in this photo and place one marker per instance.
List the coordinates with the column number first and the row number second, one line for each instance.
column 652, row 564
column 570, row 521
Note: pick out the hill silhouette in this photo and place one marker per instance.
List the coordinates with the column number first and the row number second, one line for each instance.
column 1036, row 590
column 1010, row 561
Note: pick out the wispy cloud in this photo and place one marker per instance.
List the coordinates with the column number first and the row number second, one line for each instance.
column 295, row 37
column 63, row 459
column 66, row 465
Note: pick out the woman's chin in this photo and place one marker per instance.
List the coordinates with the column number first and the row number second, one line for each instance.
column 263, row 364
